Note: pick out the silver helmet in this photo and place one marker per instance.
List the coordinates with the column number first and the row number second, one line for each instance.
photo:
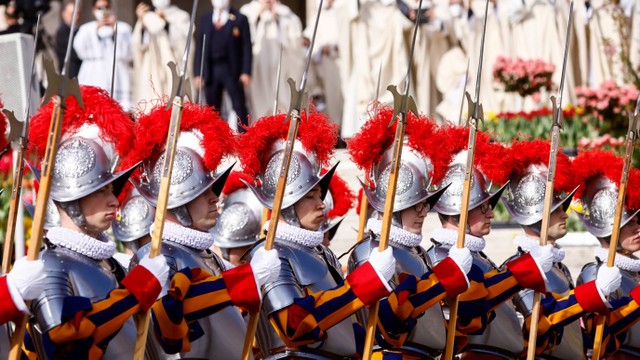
column 189, row 177
column 599, row 200
column 52, row 216
column 304, row 174
column 414, row 180
column 239, row 221
column 525, row 195
column 84, row 164
column 134, row 218
column 451, row 200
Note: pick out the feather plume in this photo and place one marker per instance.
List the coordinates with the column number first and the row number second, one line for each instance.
column 525, row 153
column 233, row 182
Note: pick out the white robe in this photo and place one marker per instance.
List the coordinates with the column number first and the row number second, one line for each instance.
column 267, row 34
column 153, row 48
column 97, row 59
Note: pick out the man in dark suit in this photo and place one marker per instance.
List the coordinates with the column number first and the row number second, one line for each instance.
column 227, row 58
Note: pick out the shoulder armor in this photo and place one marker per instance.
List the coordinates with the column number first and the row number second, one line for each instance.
column 307, row 265
column 589, row 272
column 483, row 262
column 437, row 252
column 360, row 254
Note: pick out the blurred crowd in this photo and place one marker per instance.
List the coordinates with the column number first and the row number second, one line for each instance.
column 362, row 46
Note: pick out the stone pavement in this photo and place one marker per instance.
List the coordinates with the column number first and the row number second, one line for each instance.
column 578, row 246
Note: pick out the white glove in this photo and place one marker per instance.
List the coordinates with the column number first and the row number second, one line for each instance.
column 28, row 277
column 462, row 257
column 265, row 265
column 608, row 280
column 384, row 263
column 543, row 257
column 157, row 266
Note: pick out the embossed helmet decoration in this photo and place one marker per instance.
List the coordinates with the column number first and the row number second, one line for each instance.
column 92, row 141
column 339, row 200
column 204, row 149
column 134, row 217
column 423, row 164
column 240, row 214
column 524, row 198
column 263, row 146
column 490, row 167
column 599, row 174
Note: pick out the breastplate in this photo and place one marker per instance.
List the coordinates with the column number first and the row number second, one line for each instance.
column 72, row 274
column 430, row 329
column 224, row 331
column 503, row 334
column 303, row 269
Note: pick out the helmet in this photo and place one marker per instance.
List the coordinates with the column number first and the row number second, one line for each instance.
column 204, row 146
column 339, row 200
column 599, row 173
column 263, row 147
column 422, row 164
column 52, row 216
column 525, row 195
column 491, row 164
column 134, row 217
column 92, row 142
column 240, row 215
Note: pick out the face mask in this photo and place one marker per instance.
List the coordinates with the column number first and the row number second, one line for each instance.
column 220, row 4
column 99, row 13
column 160, row 4
column 455, row 10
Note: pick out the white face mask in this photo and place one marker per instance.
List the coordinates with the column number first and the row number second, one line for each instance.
column 455, row 10
column 99, row 14
column 161, row 4
column 220, row 4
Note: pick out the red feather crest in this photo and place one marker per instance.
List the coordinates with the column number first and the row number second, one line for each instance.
column 343, row 198
column 318, row 134
column 492, row 159
column 376, row 136
column 607, row 163
column 218, row 140
column 525, row 153
column 99, row 109
column 233, row 182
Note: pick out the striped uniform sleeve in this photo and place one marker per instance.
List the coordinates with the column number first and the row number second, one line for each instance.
column 195, row 294
column 624, row 313
column 87, row 327
column 9, row 308
column 413, row 296
column 559, row 311
column 308, row 318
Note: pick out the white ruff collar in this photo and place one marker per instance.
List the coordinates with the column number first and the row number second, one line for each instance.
column 96, row 249
column 296, row 235
column 396, row 235
column 527, row 243
column 185, row 236
column 450, row 238
column 623, row 262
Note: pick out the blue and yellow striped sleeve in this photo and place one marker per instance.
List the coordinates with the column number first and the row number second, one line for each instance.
column 195, row 294
column 307, row 319
column 87, row 327
column 413, row 296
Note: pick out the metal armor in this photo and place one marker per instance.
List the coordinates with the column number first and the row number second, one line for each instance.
column 428, row 337
column 224, row 331
column 314, row 269
column 630, row 280
column 72, row 274
column 559, row 282
column 503, row 335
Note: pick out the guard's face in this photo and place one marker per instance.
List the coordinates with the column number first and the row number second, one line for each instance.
column 630, row 236
column 204, row 211
column 99, row 209
column 413, row 217
column 557, row 224
column 480, row 220
column 310, row 209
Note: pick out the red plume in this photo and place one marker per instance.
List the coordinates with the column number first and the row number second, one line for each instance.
column 218, row 141
column 376, row 136
column 318, row 134
column 233, row 182
column 343, row 198
column 525, row 153
column 126, row 190
column 492, row 159
column 99, row 109
column 3, row 129
column 607, row 163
